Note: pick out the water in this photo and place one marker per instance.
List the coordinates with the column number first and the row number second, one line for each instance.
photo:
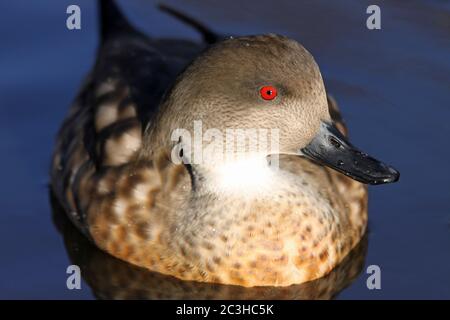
column 392, row 85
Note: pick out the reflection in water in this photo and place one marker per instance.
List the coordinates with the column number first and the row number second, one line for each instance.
column 111, row 278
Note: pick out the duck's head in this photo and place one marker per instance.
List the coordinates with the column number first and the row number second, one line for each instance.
column 260, row 82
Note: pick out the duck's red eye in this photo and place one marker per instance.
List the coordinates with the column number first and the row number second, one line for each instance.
column 268, row 92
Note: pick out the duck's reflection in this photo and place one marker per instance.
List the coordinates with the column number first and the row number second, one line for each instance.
column 111, row 278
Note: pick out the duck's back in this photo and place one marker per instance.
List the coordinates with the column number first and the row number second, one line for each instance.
column 103, row 130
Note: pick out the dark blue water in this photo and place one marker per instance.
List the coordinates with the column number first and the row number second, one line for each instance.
column 393, row 86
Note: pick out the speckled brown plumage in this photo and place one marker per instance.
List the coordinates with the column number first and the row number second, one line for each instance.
column 111, row 278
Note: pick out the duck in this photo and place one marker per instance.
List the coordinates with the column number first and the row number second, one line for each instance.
column 131, row 174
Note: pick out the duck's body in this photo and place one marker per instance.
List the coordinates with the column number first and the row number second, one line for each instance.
column 115, row 178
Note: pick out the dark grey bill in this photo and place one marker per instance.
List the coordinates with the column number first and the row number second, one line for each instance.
column 330, row 148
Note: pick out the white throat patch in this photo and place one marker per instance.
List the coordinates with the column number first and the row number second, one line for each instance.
column 243, row 177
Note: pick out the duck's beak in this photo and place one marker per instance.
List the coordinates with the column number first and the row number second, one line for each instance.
column 329, row 147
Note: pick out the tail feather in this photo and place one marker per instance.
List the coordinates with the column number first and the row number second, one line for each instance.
column 208, row 35
column 112, row 20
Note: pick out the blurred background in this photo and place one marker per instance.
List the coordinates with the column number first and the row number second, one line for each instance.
column 393, row 87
